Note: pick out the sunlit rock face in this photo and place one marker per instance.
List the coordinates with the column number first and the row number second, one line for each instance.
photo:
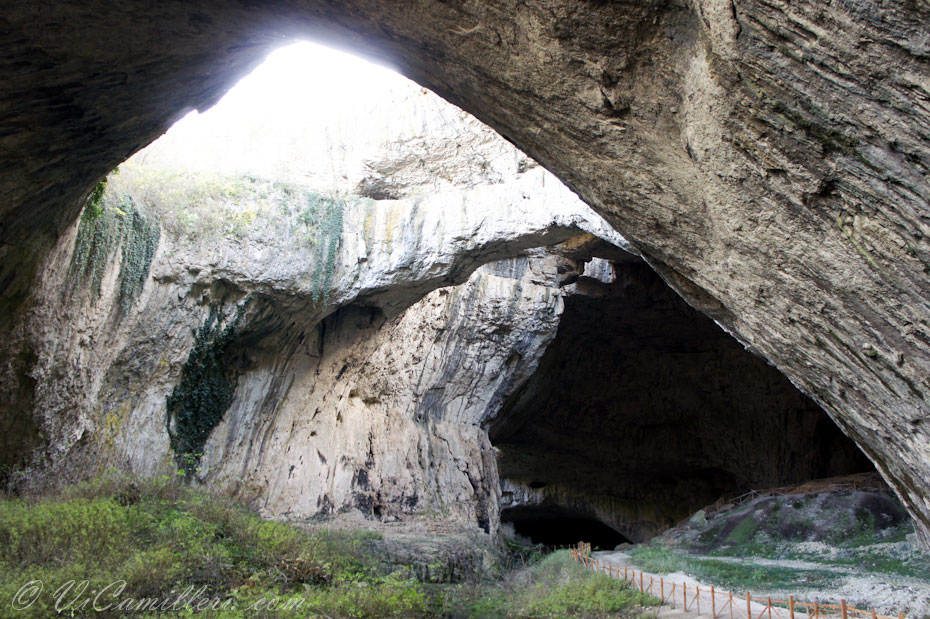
column 769, row 159
column 314, row 353
column 383, row 416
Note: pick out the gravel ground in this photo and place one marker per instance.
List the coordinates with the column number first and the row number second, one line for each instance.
column 885, row 594
column 864, row 538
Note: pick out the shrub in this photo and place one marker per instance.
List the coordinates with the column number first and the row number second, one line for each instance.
column 555, row 586
column 161, row 537
column 158, row 536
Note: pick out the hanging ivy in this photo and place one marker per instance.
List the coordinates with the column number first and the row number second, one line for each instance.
column 98, row 235
column 103, row 228
column 323, row 215
column 140, row 242
column 204, row 393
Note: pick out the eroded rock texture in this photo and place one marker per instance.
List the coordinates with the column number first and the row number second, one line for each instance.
column 384, row 417
column 313, row 354
column 769, row 158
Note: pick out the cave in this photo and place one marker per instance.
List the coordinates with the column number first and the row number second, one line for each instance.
column 643, row 411
column 767, row 160
column 559, row 527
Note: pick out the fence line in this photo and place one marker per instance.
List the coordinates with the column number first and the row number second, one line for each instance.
column 850, row 482
column 672, row 593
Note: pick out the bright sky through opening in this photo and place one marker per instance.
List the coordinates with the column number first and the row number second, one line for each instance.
column 307, row 113
column 300, row 81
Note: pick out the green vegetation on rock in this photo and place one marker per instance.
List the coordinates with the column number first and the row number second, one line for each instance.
column 105, row 225
column 140, row 242
column 205, row 206
column 743, row 531
column 324, row 216
column 205, row 391
column 93, row 206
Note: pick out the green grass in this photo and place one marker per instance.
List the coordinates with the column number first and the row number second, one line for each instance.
column 877, row 558
column 555, row 586
column 208, row 206
column 144, row 543
column 878, row 562
column 734, row 576
column 158, row 536
column 743, row 531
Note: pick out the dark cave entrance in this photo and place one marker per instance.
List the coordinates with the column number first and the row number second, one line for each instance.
column 642, row 410
column 557, row 527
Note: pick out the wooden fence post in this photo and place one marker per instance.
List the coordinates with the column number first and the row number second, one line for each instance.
column 598, row 566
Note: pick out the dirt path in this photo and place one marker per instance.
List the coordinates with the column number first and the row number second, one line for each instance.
column 892, row 593
column 685, row 597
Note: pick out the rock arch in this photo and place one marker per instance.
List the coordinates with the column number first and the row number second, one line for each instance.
column 769, row 159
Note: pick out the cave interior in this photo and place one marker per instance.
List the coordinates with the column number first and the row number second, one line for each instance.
column 642, row 411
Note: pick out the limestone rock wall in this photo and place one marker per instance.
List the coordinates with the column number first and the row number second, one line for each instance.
column 388, row 255
column 314, row 353
column 769, row 158
column 383, row 416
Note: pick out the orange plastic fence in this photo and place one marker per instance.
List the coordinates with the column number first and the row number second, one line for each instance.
column 733, row 606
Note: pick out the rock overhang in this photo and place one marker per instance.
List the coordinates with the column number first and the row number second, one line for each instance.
column 768, row 160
